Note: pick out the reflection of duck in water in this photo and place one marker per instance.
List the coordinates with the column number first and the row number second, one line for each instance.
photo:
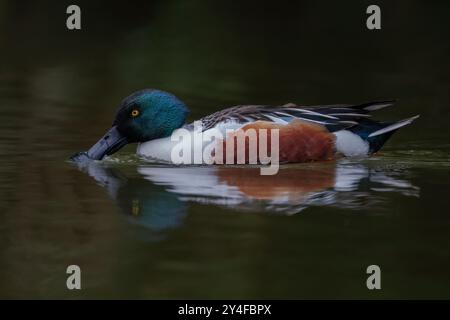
column 157, row 197
column 293, row 189
column 142, row 202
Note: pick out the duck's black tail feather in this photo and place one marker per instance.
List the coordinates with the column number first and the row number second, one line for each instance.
column 377, row 133
column 375, row 105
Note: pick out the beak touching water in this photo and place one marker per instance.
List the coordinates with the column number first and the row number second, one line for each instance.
column 110, row 143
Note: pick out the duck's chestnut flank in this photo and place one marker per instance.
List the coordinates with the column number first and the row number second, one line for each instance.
column 299, row 141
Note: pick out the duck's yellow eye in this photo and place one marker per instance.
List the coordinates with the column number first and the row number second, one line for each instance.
column 135, row 113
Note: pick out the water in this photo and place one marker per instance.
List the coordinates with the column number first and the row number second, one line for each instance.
column 146, row 230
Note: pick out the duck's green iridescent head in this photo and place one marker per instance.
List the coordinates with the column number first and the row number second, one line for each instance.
column 150, row 114
column 145, row 115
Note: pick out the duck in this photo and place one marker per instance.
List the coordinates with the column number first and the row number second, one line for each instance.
column 151, row 117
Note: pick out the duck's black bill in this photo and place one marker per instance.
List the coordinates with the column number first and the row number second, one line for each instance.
column 110, row 143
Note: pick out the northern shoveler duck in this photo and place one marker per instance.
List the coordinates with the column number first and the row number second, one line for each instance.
column 311, row 133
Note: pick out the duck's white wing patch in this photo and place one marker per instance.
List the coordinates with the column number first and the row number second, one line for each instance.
column 350, row 144
column 228, row 125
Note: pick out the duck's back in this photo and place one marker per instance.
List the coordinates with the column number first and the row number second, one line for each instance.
column 306, row 133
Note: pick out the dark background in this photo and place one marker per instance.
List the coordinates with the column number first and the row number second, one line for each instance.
column 59, row 90
column 310, row 52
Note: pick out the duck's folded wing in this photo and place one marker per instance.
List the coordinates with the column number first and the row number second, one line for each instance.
column 334, row 117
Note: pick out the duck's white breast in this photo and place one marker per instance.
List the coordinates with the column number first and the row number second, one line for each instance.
column 159, row 149
column 167, row 149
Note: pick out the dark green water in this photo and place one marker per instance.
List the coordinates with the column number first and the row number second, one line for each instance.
column 141, row 230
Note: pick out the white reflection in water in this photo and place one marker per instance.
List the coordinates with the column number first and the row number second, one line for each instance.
column 292, row 190
column 158, row 196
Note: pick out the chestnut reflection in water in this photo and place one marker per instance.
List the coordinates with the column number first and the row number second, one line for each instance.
column 158, row 197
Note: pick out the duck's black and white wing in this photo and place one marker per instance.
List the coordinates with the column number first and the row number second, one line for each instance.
column 333, row 117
